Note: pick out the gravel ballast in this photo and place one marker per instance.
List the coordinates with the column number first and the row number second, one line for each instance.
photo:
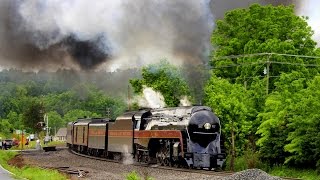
column 102, row 170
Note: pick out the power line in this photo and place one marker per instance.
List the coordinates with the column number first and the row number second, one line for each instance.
column 239, row 64
column 267, row 62
column 262, row 54
column 298, row 64
column 273, row 62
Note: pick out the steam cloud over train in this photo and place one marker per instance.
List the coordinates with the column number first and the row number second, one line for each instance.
column 182, row 136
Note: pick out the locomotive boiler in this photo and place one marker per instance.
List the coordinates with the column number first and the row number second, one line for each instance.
column 180, row 136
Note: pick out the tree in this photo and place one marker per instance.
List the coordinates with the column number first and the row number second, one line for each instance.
column 304, row 138
column 55, row 121
column 278, row 113
column 73, row 115
column 261, row 29
column 15, row 120
column 164, row 78
column 33, row 115
column 268, row 31
column 233, row 106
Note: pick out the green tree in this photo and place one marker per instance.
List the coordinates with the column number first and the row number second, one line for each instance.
column 233, row 106
column 73, row 115
column 304, row 139
column 15, row 120
column 261, row 29
column 269, row 31
column 164, row 78
column 55, row 121
column 33, row 115
column 278, row 113
column 5, row 127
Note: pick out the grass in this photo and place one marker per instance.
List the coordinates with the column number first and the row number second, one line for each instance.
column 251, row 160
column 32, row 145
column 295, row 173
column 135, row 176
column 28, row 172
column 56, row 143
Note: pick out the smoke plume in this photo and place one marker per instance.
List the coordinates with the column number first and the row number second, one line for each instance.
column 109, row 34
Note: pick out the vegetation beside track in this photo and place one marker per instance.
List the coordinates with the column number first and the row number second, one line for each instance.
column 28, row 172
column 251, row 160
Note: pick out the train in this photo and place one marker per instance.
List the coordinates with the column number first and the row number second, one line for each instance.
column 180, row 137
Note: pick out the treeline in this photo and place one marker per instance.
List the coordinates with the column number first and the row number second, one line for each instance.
column 43, row 82
column 267, row 97
column 26, row 97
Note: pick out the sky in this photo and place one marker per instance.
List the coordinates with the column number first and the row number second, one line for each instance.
column 310, row 8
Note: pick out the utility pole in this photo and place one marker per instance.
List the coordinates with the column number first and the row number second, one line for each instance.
column 129, row 108
column 233, row 153
column 22, row 139
column 46, row 119
column 268, row 74
column 108, row 112
column 245, row 83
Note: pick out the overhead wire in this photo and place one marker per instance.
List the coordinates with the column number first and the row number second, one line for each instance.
column 263, row 62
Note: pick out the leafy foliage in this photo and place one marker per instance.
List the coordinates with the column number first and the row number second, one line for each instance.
column 232, row 104
column 20, row 104
column 261, row 29
column 284, row 116
column 166, row 79
column 33, row 115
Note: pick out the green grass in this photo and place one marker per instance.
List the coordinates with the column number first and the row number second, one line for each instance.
column 32, row 145
column 135, row 176
column 295, row 173
column 28, row 172
column 56, row 143
column 251, row 160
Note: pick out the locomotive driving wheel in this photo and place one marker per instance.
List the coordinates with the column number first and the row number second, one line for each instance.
column 163, row 155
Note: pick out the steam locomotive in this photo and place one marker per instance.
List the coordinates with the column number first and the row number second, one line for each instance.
column 181, row 136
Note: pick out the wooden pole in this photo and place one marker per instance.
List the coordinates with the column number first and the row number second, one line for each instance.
column 233, row 147
column 129, row 108
column 268, row 74
column 22, row 139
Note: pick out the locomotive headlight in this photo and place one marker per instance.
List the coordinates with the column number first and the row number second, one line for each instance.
column 207, row 125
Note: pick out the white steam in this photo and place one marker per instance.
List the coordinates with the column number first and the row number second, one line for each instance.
column 185, row 101
column 151, row 99
column 127, row 157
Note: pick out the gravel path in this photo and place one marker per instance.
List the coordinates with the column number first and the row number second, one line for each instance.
column 101, row 170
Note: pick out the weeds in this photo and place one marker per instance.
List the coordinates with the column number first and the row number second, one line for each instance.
column 135, row 176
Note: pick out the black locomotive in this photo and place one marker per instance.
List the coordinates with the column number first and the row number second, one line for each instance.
column 181, row 136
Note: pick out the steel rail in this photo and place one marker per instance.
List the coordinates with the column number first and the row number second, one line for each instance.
column 198, row 171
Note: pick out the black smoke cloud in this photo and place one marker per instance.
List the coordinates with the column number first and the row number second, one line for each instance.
column 86, row 34
column 110, row 34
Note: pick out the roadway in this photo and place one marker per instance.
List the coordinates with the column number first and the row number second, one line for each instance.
column 5, row 174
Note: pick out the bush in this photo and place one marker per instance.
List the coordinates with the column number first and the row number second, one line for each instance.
column 249, row 160
column 284, row 171
column 32, row 173
column 135, row 176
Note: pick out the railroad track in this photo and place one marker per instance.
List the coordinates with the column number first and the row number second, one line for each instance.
column 68, row 170
column 215, row 173
column 198, row 171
